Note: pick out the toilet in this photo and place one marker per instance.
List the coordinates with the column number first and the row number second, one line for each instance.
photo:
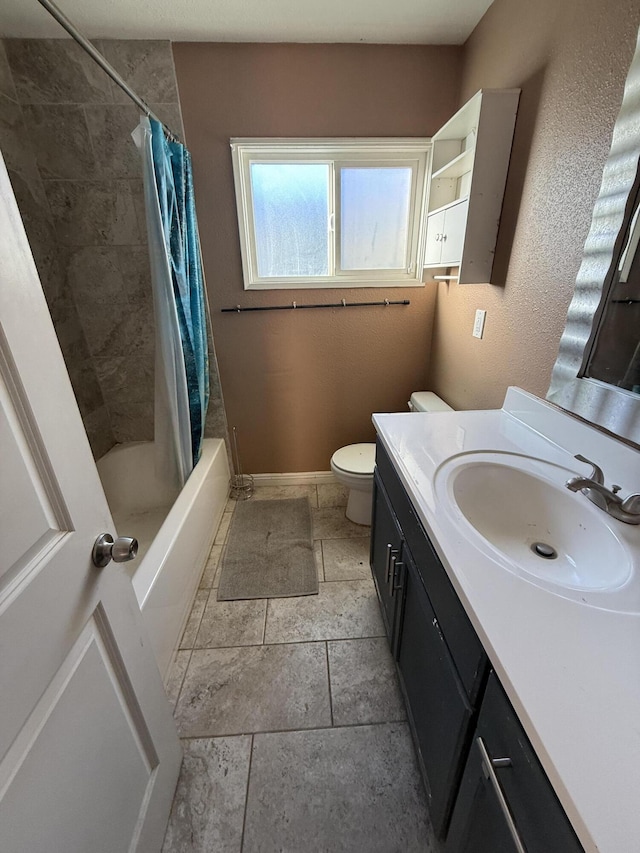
column 353, row 465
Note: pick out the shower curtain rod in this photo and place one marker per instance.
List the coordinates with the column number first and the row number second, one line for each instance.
column 86, row 45
column 295, row 306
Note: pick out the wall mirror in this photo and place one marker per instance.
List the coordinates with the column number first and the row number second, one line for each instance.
column 597, row 372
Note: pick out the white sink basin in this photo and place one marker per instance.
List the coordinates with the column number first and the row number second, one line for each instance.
column 519, row 510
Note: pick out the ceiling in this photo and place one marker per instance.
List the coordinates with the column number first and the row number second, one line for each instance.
column 374, row 21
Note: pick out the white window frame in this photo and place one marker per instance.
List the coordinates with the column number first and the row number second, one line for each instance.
column 415, row 153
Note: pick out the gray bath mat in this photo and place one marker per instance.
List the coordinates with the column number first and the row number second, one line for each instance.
column 270, row 551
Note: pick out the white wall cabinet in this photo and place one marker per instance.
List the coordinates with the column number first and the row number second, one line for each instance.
column 445, row 235
column 469, row 165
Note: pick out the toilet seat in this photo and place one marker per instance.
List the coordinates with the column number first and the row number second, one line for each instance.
column 355, row 459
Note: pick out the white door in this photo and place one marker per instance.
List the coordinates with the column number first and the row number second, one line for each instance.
column 89, row 754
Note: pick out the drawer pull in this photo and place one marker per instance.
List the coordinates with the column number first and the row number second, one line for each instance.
column 488, row 765
column 392, row 554
column 396, row 583
column 392, row 571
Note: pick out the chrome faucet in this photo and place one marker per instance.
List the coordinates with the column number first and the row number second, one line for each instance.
column 627, row 510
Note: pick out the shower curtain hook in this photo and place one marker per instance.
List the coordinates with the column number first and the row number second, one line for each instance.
column 344, row 303
column 238, row 309
column 293, row 305
column 386, row 302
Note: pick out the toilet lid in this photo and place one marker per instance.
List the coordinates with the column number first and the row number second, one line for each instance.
column 356, row 458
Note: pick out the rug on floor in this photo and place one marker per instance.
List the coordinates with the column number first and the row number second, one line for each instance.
column 270, row 551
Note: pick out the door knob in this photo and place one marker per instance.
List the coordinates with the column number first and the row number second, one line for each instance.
column 105, row 549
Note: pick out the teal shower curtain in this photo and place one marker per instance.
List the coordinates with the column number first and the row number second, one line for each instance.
column 182, row 358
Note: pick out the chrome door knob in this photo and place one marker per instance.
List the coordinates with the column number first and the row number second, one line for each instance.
column 105, row 549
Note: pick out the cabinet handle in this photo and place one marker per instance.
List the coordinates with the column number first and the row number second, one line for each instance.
column 397, row 572
column 392, row 571
column 488, row 765
column 392, row 553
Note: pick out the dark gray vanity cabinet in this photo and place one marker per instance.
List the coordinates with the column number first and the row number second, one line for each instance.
column 386, row 546
column 505, row 802
column 441, row 663
column 439, row 710
column 462, row 723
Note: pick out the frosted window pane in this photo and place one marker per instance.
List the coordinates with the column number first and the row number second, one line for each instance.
column 375, row 217
column 291, row 218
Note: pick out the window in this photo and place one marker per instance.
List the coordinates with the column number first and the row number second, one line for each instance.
column 330, row 213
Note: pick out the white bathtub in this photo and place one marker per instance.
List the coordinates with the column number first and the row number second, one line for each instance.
column 175, row 533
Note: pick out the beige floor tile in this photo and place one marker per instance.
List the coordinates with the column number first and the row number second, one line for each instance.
column 176, row 675
column 332, row 523
column 231, row 623
column 223, row 530
column 193, row 623
column 355, row 789
column 216, row 578
column 341, row 610
column 364, row 684
column 211, row 568
column 254, row 688
column 346, row 559
column 317, row 553
column 271, row 493
column 208, row 807
column 332, row 494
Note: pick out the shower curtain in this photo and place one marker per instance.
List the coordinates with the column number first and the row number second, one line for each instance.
column 182, row 359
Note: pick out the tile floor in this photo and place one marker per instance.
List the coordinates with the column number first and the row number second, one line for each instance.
column 294, row 731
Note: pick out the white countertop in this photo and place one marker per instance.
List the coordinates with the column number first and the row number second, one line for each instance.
column 571, row 670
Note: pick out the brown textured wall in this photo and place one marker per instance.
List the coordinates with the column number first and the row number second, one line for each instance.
column 570, row 59
column 300, row 385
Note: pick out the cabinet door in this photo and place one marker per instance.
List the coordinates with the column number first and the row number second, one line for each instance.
column 479, row 823
column 433, row 242
column 386, row 545
column 505, row 792
column 455, row 222
column 439, row 711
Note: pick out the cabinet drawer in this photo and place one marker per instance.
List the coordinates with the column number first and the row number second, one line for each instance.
column 460, row 636
column 538, row 819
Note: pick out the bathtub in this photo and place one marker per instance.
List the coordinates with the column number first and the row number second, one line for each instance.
column 175, row 532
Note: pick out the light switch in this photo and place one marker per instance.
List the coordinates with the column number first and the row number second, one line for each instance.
column 478, row 325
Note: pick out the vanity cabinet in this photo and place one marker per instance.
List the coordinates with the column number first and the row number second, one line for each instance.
column 505, row 802
column 467, row 179
column 462, row 723
column 441, row 663
column 386, row 547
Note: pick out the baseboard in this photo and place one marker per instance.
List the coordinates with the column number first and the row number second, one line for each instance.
column 302, row 478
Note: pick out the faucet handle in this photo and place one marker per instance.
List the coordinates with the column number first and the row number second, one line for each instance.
column 597, row 474
column 631, row 504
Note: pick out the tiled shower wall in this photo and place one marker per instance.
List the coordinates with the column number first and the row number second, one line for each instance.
column 65, row 136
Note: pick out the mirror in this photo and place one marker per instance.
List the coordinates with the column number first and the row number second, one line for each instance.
column 614, row 357
column 597, row 371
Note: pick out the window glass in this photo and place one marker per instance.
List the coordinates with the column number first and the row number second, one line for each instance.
column 331, row 212
column 291, row 218
column 374, row 217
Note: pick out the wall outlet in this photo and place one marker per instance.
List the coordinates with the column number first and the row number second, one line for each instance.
column 478, row 325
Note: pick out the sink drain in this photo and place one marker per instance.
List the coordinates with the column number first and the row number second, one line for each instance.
column 548, row 552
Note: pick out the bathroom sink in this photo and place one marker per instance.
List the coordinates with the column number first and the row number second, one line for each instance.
column 518, row 509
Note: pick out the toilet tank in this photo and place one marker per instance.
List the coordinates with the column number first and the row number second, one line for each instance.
column 427, row 401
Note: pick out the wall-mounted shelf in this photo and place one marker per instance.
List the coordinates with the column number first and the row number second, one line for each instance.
column 469, row 165
column 457, row 167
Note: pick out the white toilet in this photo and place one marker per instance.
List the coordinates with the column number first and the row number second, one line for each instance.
column 353, row 465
